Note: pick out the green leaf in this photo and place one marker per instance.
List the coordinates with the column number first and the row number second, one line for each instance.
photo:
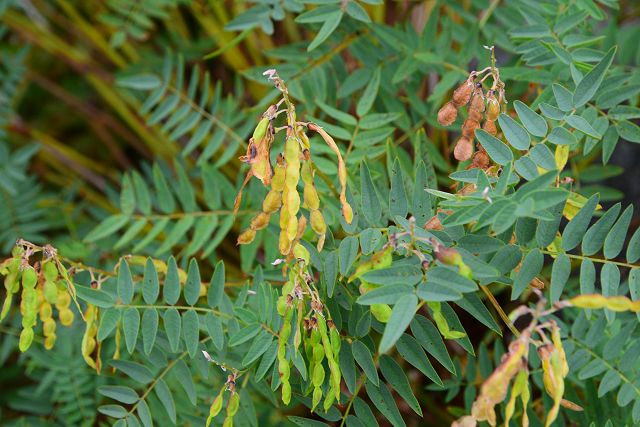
column 371, row 207
column 114, row 411
column 364, row 412
column 244, row 334
column 595, row 236
column 610, row 280
column 191, row 331
column 348, row 366
column 543, row 157
column 586, row 89
column 532, row 121
column 267, row 360
column 564, row 97
column 348, row 253
column 142, row 193
column 133, row 370
column 171, row 288
column 413, row 353
column 192, row 285
column 108, row 322
column 587, row 277
column 306, row 422
column 130, row 327
column 340, row 116
column 172, row 327
column 576, row 228
column 139, row 82
column 183, row 374
column 127, row 196
column 214, row 328
column 559, row 276
column 561, row 136
column 472, row 304
column 107, row 227
column 369, row 95
column 449, row 278
column 149, row 329
column 421, row 209
column 124, row 283
column 178, row 232
column 396, row 274
column 531, row 266
column 384, row 402
column 144, row 414
column 629, row 131
column 581, row 124
column 615, row 238
column 165, row 397
column 330, row 24
column 122, row 394
column 259, row 345
column 633, row 250
column 357, row 12
column 430, row 339
column 166, row 202
column 398, row 205
column 363, row 357
column 396, row 377
column 497, row 150
column 97, row 297
column 517, row 136
column 150, row 284
column 385, row 294
column 216, row 288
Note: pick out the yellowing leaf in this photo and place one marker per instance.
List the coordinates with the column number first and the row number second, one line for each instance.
column 575, row 202
column 561, row 156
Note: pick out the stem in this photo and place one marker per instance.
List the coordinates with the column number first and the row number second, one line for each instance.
column 500, row 311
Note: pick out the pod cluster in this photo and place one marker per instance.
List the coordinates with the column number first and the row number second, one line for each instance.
column 233, row 404
column 308, row 323
column 482, row 107
column 42, row 287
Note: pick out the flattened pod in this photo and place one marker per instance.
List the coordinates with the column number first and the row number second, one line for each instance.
column 477, row 101
column 272, row 202
column 26, row 338
column 490, row 127
column 233, row 405
column 469, row 128
column 246, row 237
column 447, row 114
column 493, row 107
column 286, row 393
column 261, row 129
column 216, row 406
column 462, row 94
column 463, row 149
column 311, row 197
column 260, row 221
column 347, row 212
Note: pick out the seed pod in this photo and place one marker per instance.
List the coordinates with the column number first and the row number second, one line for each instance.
column 493, row 107
column 300, row 252
column 293, row 203
column 26, row 338
column 260, row 221
column 347, row 212
column 261, row 129
column 469, row 128
column 447, row 114
column 328, row 401
column 477, row 101
column 49, row 342
column 317, row 397
column 48, row 327
column 278, row 180
column 246, row 237
column 480, row 160
column 66, row 317
column 382, row 312
column 284, row 244
column 228, row 422
column 6, row 306
column 334, row 337
column 474, row 114
column 292, row 228
column 463, row 149
column 490, row 127
column 318, row 375
column 45, row 311
column 462, row 94
column 29, row 278
column 233, row 405
column 272, row 201
column 286, row 393
column 216, row 407
column 50, row 291
column 311, row 200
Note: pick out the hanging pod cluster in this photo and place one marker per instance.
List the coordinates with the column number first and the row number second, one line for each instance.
column 308, row 323
column 233, row 404
column 291, row 166
column 41, row 286
column 481, row 106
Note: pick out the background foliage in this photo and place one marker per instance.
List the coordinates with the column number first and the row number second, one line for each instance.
column 120, row 127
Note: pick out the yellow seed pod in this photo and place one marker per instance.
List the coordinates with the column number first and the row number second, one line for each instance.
column 50, row 270
column 63, row 299
column 66, row 317
column 293, row 202
column 278, row 180
column 49, row 327
column 306, row 173
column 292, row 227
column 49, row 342
column 260, row 221
column 493, row 107
column 284, row 219
column 272, row 202
column 284, row 244
column 26, row 338
column 317, row 222
column 311, row 199
column 45, row 311
column 347, row 212
column 246, row 237
column 50, row 292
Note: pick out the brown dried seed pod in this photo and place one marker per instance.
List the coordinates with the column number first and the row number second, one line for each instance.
column 447, row 114
column 462, row 94
column 490, row 126
column 463, row 149
column 477, row 101
column 469, row 128
column 260, row 221
column 475, row 115
column 433, row 223
column 480, row 160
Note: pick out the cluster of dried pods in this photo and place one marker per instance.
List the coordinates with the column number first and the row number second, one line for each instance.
column 304, row 314
column 43, row 285
column 481, row 106
column 283, row 179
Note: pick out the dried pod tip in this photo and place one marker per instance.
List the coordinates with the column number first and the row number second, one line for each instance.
column 347, row 212
column 463, row 149
column 447, row 114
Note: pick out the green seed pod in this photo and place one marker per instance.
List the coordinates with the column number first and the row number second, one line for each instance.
column 12, row 282
column 6, row 306
column 228, row 422
column 300, row 252
column 272, row 202
column 261, row 129
column 285, row 332
column 288, row 287
column 216, row 406
column 29, row 278
column 50, row 270
column 282, row 350
column 328, row 401
column 318, row 353
column 382, row 312
column 318, row 375
column 317, row 397
column 50, row 292
column 233, row 405
column 284, row 369
column 306, row 172
column 286, row 393
column 26, row 338
column 281, row 305
column 334, row 337
column 315, row 338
